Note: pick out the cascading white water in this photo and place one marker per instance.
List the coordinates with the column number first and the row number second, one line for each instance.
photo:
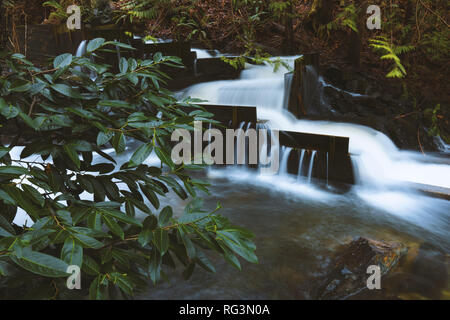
column 239, row 148
column 383, row 171
column 81, row 50
column 443, row 147
column 300, row 163
column 379, row 161
column 258, row 86
column 311, row 165
column 285, row 153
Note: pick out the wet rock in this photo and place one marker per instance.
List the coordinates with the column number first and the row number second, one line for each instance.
column 357, row 98
column 347, row 273
column 334, row 74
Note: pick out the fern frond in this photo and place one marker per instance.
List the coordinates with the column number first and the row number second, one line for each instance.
column 403, row 49
column 391, row 52
column 395, row 73
column 390, row 56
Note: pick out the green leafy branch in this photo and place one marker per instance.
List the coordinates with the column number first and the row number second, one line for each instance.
column 85, row 207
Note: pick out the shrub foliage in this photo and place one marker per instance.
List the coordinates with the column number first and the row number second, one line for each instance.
column 86, row 205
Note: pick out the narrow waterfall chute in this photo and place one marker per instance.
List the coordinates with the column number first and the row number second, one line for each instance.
column 285, row 153
column 311, row 166
column 300, row 163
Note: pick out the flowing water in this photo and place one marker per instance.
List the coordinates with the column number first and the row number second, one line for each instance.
column 297, row 228
column 298, row 225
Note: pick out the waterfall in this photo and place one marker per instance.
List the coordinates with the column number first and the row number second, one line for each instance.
column 285, row 153
column 379, row 162
column 311, row 166
column 258, row 86
column 442, row 146
column 300, row 164
column 81, row 50
column 239, row 148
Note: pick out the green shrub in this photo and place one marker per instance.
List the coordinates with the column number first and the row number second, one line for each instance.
column 85, row 207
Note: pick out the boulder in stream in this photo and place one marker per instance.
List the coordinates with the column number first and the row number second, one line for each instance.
column 347, row 273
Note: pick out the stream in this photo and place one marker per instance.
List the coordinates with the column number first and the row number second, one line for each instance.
column 298, row 225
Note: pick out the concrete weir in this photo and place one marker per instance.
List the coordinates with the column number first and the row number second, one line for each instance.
column 333, row 163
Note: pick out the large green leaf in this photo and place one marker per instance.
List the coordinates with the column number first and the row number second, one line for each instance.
column 150, row 194
column 72, row 252
column 97, row 290
column 154, row 268
column 41, row 263
column 20, row 86
column 104, row 138
column 36, row 196
column 140, row 155
column 123, row 65
column 13, row 170
column 73, row 155
column 4, row 151
column 119, row 215
column 113, row 226
column 115, row 104
column 62, row 60
column 90, row 266
column 119, row 142
column 9, row 112
column 87, row 241
column 95, row 44
column 161, row 240
column 6, row 198
column 145, row 236
column 123, row 282
column 66, row 90
column 233, row 241
column 165, row 215
column 190, row 249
